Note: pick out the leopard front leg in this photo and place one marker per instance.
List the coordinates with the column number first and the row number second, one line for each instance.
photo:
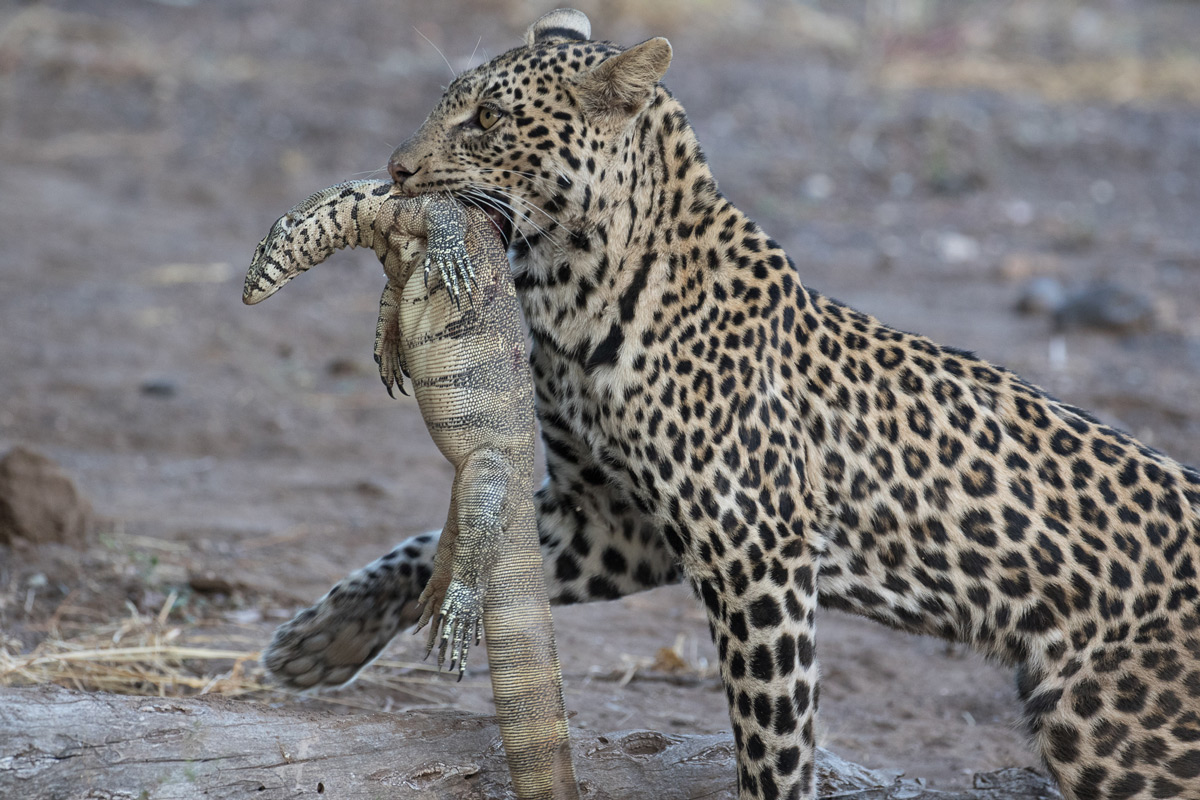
column 328, row 643
column 760, row 607
column 751, row 551
column 594, row 544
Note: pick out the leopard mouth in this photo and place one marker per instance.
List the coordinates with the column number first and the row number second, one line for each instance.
column 495, row 212
column 501, row 222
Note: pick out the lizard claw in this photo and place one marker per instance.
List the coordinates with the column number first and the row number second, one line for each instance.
column 458, row 622
column 388, row 353
column 455, row 267
column 388, row 383
column 391, row 372
column 446, row 247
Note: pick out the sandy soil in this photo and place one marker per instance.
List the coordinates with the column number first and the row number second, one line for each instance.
column 922, row 164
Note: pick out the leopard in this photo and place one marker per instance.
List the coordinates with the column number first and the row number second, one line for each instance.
column 707, row 417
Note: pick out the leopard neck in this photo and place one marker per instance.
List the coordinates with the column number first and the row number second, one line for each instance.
column 622, row 236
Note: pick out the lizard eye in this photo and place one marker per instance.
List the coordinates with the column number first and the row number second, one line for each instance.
column 487, row 117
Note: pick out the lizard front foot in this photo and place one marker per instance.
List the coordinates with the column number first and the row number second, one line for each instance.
column 454, row 264
column 446, row 247
column 388, row 352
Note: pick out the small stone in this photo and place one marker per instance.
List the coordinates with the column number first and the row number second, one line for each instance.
column 159, row 387
column 1102, row 192
column 1070, row 230
column 244, row 616
column 1177, row 253
column 1042, row 295
column 343, row 368
column 1022, row 266
column 210, row 582
column 1106, row 306
column 957, row 248
column 1019, row 212
column 370, row 489
column 902, row 184
column 39, row 504
column 818, row 186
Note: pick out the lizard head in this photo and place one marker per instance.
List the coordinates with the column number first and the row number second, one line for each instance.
column 270, row 269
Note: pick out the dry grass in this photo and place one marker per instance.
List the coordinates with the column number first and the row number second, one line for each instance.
column 140, row 655
column 144, row 655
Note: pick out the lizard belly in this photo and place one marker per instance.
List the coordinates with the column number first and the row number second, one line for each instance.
column 468, row 400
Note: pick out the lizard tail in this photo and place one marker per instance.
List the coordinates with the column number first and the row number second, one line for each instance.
column 526, row 679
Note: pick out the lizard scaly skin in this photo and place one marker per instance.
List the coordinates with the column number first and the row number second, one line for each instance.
column 454, row 329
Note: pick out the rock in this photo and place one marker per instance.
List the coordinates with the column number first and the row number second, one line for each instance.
column 39, row 504
column 208, row 581
column 818, row 186
column 1177, row 253
column 1107, row 306
column 1022, row 266
column 957, row 248
column 1101, row 305
column 1044, row 295
column 1071, row 231
column 343, row 367
column 159, row 387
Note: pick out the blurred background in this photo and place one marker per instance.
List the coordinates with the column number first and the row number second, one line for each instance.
column 1017, row 177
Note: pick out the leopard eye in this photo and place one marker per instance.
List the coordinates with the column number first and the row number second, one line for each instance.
column 487, row 117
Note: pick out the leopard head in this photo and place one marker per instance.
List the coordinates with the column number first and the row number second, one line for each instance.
column 532, row 135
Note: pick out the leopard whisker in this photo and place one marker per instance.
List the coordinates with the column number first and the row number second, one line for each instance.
column 539, row 179
column 484, row 199
column 378, row 171
column 509, row 198
column 476, row 50
column 437, row 49
column 508, row 195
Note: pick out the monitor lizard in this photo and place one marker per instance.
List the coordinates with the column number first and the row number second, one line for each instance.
column 454, row 329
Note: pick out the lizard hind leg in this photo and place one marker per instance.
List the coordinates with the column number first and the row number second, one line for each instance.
column 481, row 511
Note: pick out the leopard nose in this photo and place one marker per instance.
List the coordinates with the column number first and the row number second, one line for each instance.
column 399, row 172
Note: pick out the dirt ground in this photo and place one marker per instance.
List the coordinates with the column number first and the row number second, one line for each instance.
column 921, row 160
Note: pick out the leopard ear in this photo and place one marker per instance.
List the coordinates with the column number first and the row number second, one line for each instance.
column 559, row 25
column 622, row 85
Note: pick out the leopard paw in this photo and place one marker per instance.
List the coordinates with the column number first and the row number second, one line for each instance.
column 330, row 642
